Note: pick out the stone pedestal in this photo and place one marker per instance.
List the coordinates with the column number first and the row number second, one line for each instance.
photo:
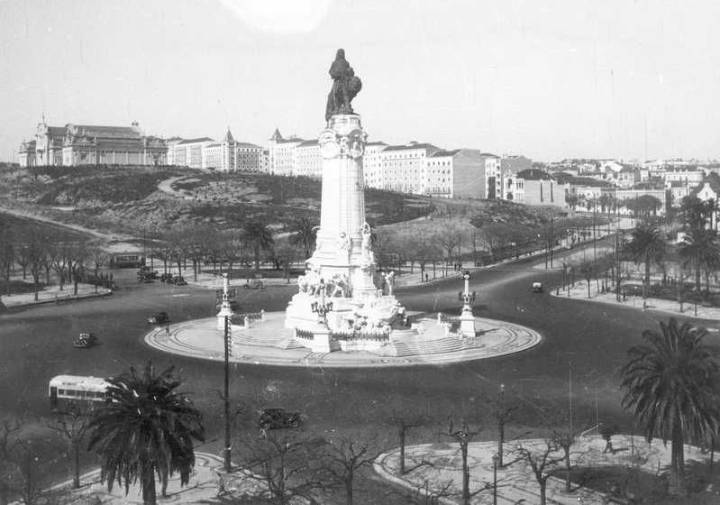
column 467, row 323
column 341, row 270
column 321, row 341
column 225, row 311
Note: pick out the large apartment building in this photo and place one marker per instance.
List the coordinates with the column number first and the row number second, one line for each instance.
column 280, row 154
column 417, row 168
column 227, row 155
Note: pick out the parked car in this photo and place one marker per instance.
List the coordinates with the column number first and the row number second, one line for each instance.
column 254, row 284
column 158, row 318
column 84, row 340
column 167, row 277
column 277, row 419
column 147, row 273
column 537, row 287
column 179, row 281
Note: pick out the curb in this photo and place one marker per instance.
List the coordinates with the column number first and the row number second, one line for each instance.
column 70, row 298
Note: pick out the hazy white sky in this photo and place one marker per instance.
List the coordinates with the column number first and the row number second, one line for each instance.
column 548, row 79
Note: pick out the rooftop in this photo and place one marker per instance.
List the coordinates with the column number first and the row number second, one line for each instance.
column 410, row 147
column 197, row 140
column 119, row 132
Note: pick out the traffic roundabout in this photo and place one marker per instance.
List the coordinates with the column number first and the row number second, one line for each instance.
column 270, row 343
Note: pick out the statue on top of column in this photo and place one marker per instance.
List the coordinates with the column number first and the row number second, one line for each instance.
column 344, row 88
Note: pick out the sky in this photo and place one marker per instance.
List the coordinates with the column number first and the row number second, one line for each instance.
column 547, row 79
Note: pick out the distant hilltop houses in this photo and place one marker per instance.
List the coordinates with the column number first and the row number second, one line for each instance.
column 416, row 167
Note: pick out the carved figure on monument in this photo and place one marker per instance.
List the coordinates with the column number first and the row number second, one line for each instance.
column 368, row 256
column 338, row 285
column 343, row 245
column 344, row 88
column 389, row 279
column 310, row 282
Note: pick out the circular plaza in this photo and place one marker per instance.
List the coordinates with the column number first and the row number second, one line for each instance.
column 268, row 342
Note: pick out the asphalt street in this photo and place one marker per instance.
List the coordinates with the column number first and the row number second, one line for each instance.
column 578, row 361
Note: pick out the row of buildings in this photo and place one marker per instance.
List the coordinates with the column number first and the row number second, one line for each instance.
column 418, row 168
column 73, row 144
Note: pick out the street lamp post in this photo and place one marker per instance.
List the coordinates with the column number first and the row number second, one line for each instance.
column 502, row 415
column 467, row 320
column 495, row 467
column 227, row 451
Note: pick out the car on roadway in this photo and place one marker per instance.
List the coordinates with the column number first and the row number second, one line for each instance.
column 179, row 281
column 84, row 340
column 159, row 318
column 537, row 287
column 277, row 419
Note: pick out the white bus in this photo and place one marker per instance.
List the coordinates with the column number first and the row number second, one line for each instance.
column 76, row 388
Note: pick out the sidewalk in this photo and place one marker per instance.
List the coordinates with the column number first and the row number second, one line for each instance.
column 516, row 483
column 203, row 487
column 580, row 292
column 52, row 294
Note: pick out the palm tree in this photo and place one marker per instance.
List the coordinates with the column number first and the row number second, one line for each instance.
column 304, row 234
column 646, row 246
column 671, row 384
column 696, row 213
column 700, row 250
column 145, row 428
column 260, row 238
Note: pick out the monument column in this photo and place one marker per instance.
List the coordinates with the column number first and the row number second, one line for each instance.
column 339, row 249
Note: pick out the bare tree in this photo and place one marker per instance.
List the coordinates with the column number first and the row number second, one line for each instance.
column 72, row 424
column 403, row 423
column 97, row 258
column 22, row 257
column 451, row 240
column 587, row 269
column 283, row 256
column 60, row 258
column 425, row 495
column 503, row 412
column 20, row 460
column 542, row 462
column 36, row 254
column 284, row 465
column 565, row 439
column 463, row 436
column 7, row 255
column 8, row 432
column 344, row 459
column 78, row 253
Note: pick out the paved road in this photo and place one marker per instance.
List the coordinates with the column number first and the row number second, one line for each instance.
column 590, row 338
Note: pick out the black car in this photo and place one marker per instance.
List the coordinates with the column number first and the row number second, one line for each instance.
column 166, row 277
column 158, row 318
column 84, row 340
column 277, row 419
column 179, row 281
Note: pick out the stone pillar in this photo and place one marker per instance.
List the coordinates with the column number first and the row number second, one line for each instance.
column 467, row 320
column 339, row 249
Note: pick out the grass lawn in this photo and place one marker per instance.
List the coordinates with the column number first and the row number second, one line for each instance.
column 635, row 486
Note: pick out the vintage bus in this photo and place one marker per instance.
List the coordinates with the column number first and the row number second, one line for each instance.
column 76, row 388
column 127, row 260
